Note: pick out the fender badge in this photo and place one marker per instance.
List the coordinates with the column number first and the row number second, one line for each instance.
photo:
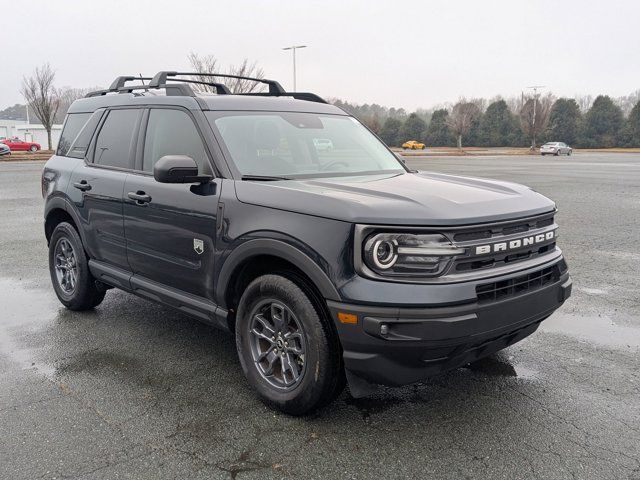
column 198, row 246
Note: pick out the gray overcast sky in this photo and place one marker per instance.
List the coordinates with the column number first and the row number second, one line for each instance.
column 395, row 53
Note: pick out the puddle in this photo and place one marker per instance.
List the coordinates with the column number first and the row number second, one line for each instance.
column 596, row 330
column 593, row 291
column 24, row 311
column 499, row 365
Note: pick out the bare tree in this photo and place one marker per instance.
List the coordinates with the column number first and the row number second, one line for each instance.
column 209, row 64
column 68, row 95
column 41, row 96
column 534, row 116
column 461, row 118
column 584, row 102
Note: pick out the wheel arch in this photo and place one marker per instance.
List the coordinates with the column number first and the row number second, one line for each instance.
column 58, row 210
column 258, row 257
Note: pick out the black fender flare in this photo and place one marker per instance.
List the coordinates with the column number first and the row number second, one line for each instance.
column 62, row 203
column 276, row 248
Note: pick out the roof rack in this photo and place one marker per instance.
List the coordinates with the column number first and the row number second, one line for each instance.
column 161, row 77
column 181, row 87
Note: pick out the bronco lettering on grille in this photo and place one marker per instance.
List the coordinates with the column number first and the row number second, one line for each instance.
column 515, row 244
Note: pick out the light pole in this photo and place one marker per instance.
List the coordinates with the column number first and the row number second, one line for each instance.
column 533, row 123
column 293, row 48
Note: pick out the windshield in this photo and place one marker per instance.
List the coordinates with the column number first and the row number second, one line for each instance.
column 290, row 144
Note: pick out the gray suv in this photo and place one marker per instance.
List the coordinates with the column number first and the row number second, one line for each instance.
column 329, row 265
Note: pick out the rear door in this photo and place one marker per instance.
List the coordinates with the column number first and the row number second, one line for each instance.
column 170, row 234
column 97, row 185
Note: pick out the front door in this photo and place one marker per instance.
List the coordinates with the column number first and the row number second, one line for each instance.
column 170, row 228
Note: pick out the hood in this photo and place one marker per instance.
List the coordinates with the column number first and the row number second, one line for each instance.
column 399, row 199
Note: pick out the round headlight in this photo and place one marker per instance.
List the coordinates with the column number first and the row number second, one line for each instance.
column 384, row 253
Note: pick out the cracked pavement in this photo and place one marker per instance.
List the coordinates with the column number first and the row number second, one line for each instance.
column 134, row 390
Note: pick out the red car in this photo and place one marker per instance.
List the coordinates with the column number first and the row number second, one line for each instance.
column 17, row 145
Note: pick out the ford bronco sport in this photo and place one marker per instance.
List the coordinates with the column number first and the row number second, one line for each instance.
column 328, row 265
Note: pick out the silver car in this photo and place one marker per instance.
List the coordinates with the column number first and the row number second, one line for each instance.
column 4, row 149
column 555, row 148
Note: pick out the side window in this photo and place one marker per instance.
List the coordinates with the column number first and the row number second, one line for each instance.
column 113, row 145
column 80, row 145
column 72, row 126
column 172, row 132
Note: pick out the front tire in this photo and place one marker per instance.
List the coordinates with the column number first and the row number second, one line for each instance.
column 287, row 349
column 72, row 281
column 33, row 148
column 569, row 153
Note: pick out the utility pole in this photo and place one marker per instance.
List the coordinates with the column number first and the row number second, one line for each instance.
column 293, row 48
column 535, row 101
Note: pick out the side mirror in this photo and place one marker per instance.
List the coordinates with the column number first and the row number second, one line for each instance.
column 178, row 169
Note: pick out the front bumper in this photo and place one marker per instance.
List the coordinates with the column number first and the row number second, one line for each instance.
column 399, row 345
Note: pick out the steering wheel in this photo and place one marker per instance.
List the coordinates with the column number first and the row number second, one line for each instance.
column 333, row 163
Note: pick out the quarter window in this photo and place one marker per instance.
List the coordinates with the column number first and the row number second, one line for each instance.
column 72, row 126
column 172, row 132
column 114, row 142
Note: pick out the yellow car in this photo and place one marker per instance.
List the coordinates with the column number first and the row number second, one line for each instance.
column 413, row 145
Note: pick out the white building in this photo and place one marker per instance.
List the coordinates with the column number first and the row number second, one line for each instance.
column 29, row 132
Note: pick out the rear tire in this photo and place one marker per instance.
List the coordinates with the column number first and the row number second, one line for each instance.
column 287, row 349
column 72, row 281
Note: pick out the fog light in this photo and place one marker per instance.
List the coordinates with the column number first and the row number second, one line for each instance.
column 384, row 329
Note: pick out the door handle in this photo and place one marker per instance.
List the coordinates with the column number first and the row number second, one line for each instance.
column 82, row 185
column 140, row 197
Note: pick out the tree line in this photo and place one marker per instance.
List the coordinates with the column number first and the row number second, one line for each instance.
column 582, row 123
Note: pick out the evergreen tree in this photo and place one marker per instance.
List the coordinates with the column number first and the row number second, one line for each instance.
column 603, row 123
column 390, row 132
column 564, row 121
column 497, row 125
column 632, row 128
column 413, row 128
column 438, row 134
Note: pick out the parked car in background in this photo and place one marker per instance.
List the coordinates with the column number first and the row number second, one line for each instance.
column 17, row 145
column 413, row 145
column 555, row 148
column 322, row 144
column 4, row 150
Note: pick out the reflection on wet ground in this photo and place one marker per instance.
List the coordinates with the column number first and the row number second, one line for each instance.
column 601, row 330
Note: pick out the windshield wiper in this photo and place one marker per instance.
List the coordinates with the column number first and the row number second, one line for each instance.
column 264, row 178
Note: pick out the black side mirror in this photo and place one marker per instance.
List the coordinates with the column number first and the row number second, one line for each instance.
column 178, row 169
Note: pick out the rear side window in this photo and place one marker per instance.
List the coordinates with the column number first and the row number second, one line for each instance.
column 81, row 143
column 72, row 126
column 114, row 142
column 172, row 132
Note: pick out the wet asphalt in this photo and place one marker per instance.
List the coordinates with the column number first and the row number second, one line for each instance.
column 136, row 390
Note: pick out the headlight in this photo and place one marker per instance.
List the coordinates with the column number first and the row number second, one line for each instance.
column 407, row 254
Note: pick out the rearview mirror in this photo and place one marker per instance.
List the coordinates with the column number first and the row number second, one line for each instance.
column 178, row 169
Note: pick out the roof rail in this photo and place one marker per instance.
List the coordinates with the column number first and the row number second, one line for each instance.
column 161, row 77
column 181, row 87
column 117, row 84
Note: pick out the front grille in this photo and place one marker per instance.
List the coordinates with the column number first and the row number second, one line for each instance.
column 470, row 237
column 491, row 292
column 498, row 260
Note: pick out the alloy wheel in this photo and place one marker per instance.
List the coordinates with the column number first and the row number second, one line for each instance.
column 66, row 266
column 278, row 344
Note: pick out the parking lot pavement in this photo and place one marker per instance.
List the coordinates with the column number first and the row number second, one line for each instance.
column 136, row 390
